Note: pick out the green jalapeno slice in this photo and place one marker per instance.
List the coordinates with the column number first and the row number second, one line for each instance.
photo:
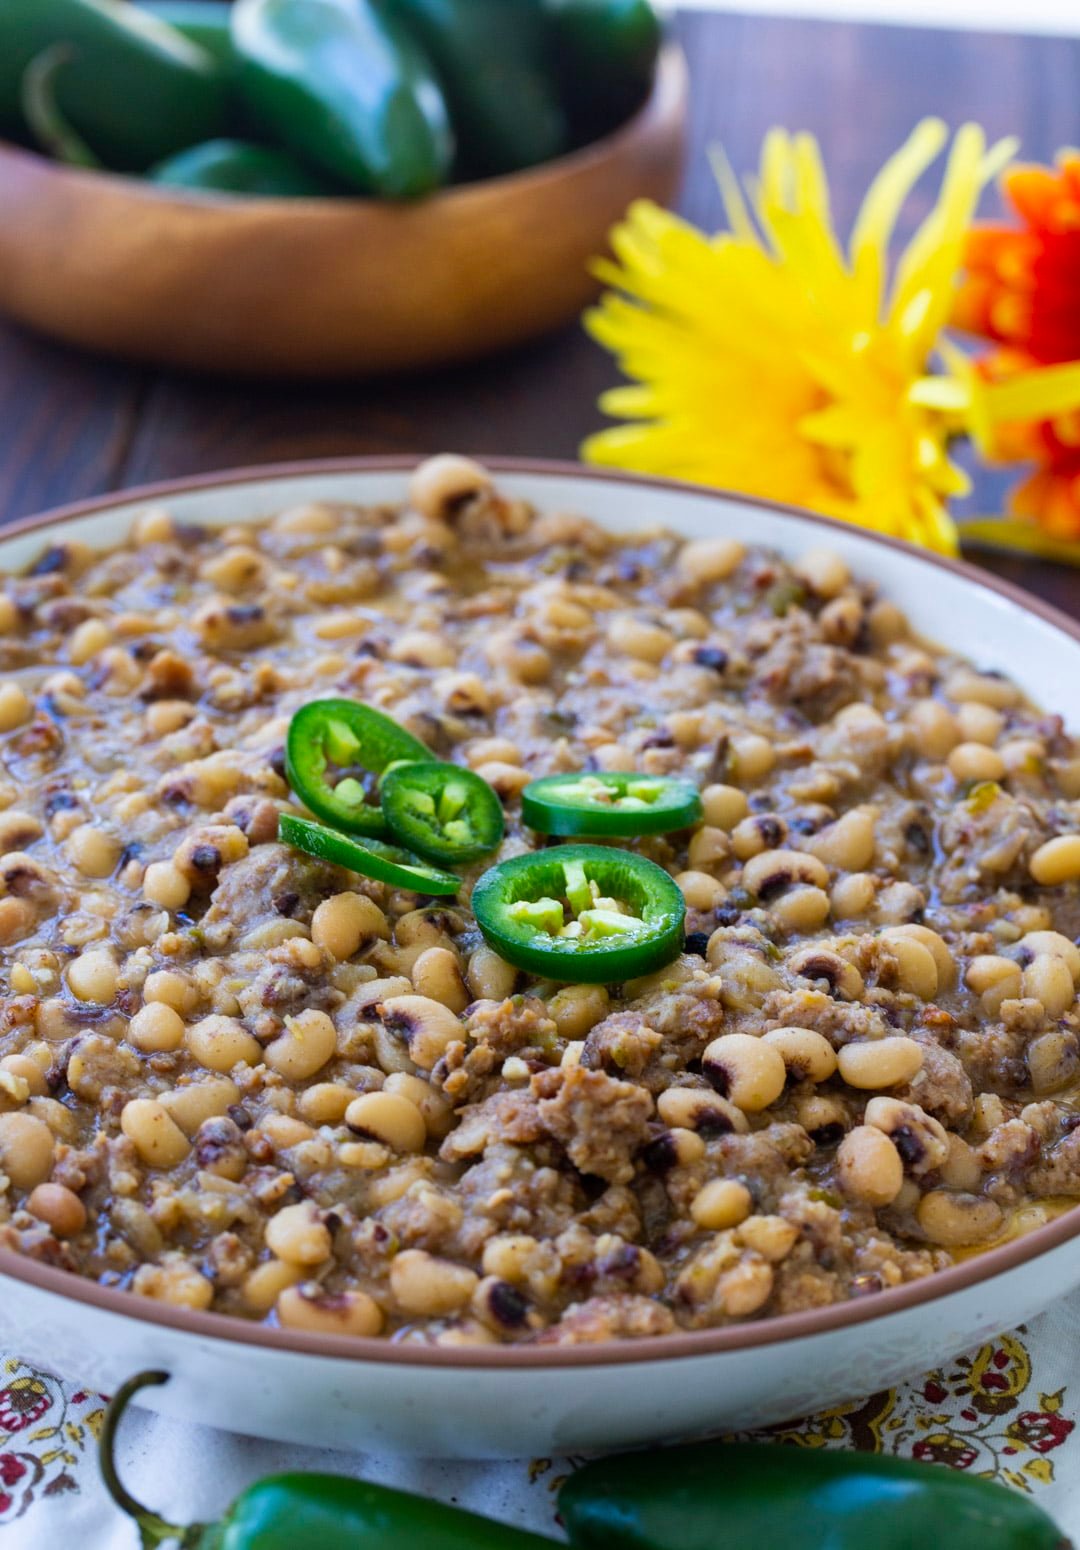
column 334, row 752
column 581, row 913
column 370, row 857
column 612, row 802
column 443, row 812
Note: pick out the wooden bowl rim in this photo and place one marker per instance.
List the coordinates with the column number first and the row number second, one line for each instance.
column 665, row 103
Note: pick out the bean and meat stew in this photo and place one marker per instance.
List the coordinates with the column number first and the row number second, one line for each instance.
column 236, row 1074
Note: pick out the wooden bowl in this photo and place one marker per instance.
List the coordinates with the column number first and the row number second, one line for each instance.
column 324, row 287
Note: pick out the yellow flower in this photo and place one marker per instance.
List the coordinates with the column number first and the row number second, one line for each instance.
column 768, row 361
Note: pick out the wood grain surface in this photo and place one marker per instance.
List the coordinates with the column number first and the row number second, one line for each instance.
column 71, row 426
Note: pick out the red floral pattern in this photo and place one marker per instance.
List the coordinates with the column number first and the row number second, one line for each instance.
column 53, row 1433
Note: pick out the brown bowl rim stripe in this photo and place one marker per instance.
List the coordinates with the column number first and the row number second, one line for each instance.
column 687, row 1343
column 667, row 91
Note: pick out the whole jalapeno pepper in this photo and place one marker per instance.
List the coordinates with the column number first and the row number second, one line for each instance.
column 606, row 52
column 493, row 57
column 239, row 167
column 132, row 87
column 309, row 1511
column 581, row 914
column 442, row 811
column 773, row 1497
column 339, row 83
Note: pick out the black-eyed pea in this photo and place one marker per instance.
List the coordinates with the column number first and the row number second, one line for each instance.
column 773, row 1237
column 916, row 970
column 874, row 1063
column 441, row 485
column 762, row 831
column 503, row 1307
column 308, row 1306
column 708, row 847
column 823, row 1116
column 961, row 1168
column 745, row 1288
column 500, row 749
column 723, row 806
column 219, row 1043
column 155, row 1135
column 284, row 1131
column 261, row 1287
column 801, row 909
column 868, row 1166
column 575, row 1009
column 746, row 1070
column 614, row 756
column 751, row 756
column 165, row 885
column 425, row 1026
column 700, row 890
column 437, row 1113
column 1052, row 1060
column 1057, row 861
column 202, row 854
column 172, row 989
column 979, row 723
column 299, row 1235
column 769, row 873
column 507, row 780
column 702, row 561
column 721, row 1203
column 1024, row 756
column 935, row 729
column 955, row 1219
column 437, row 975
column 59, row 1208
column 993, row 979
column 93, row 976
column 489, row 977
column 935, row 944
column 26, row 1149
column 345, row 922
column 422, row 648
column 389, row 1119
column 807, row 1055
column 974, row 761
column 965, row 683
column 325, row 1103
column 823, row 571
column 523, row 660
column 853, row 897
column 701, row 1110
column 676, row 1148
column 1048, row 979
column 921, row 1140
column 842, row 620
column 308, row 1042
column 848, row 843
column 92, row 850
column 821, row 963
column 427, row 1287
column 15, row 708
column 1054, row 943
column 175, row 1281
column 156, row 1028
column 26, row 1069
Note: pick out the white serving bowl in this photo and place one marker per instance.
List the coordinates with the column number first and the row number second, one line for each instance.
column 515, row 1401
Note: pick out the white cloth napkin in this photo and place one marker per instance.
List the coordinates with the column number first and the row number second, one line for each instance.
column 1007, row 1411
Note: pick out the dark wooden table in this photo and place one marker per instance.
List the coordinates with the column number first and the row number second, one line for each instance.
column 71, row 426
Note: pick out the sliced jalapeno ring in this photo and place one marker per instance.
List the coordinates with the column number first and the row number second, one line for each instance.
column 610, row 802
column 581, row 913
column 334, row 752
column 368, row 856
column 443, row 812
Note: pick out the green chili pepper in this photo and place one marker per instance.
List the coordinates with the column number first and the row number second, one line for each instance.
column 493, row 57
column 371, row 858
column 238, row 167
column 341, row 84
column 205, row 22
column 309, row 1511
column 334, row 749
column 442, row 811
column 610, row 803
column 581, row 913
column 774, row 1497
column 606, row 52
column 133, row 88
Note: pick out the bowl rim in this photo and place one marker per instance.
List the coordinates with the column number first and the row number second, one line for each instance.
column 665, row 100
column 682, row 1344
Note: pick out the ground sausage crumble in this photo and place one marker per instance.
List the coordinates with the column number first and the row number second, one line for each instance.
column 235, row 1077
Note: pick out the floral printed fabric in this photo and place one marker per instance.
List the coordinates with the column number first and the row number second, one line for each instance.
column 1007, row 1411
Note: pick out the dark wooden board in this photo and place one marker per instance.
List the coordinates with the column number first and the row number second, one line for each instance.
column 71, row 426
